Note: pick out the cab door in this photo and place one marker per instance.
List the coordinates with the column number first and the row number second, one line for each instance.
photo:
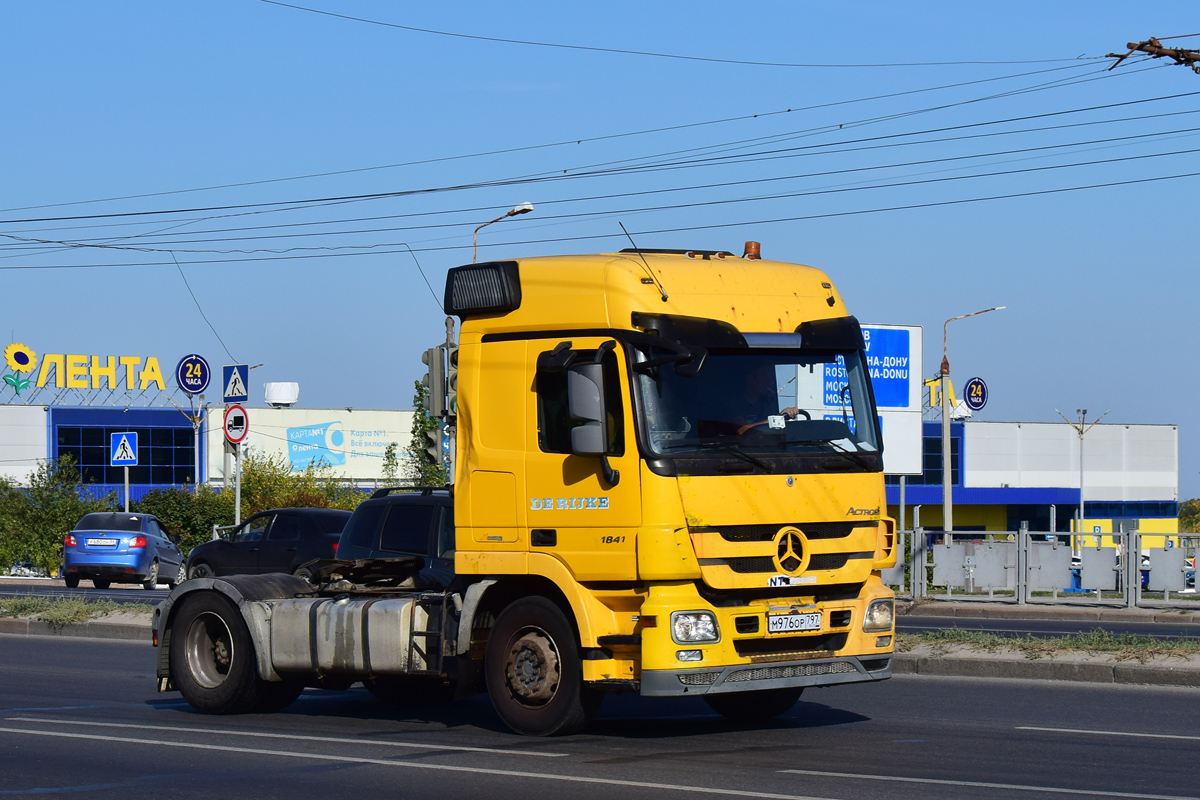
column 573, row 513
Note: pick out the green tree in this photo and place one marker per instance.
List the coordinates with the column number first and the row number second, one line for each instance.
column 389, row 473
column 1189, row 516
column 190, row 515
column 35, row 519
column 422, row 468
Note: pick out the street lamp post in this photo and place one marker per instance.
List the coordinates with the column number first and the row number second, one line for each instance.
column 524, row 208
column 1081, row 428
column 947, row 470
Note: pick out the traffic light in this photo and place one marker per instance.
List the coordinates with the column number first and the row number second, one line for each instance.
column 435, row 381
column 452, row 380
column 434, row 448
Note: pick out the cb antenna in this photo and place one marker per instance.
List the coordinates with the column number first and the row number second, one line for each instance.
column 649, row 271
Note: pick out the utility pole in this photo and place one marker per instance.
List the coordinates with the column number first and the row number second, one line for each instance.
column 1081, row 428
column 1153, row 46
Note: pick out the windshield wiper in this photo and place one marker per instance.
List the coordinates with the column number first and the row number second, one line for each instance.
column 729, row 448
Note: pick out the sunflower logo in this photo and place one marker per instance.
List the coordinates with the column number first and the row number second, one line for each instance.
column 20, row 359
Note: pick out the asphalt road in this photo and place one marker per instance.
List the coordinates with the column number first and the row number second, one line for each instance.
column 81, row 717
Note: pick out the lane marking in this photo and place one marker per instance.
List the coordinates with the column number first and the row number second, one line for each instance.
column 1110, row 733
column 50, row 708
column 986, row 785
column 297, row 737
column 439, row 767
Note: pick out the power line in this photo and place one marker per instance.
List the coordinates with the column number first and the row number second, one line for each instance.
column 682, row 229
column 546, row 145
column 647, row 53
column 578, row 215
column 199, row 308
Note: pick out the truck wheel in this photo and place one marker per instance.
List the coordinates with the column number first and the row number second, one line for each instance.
column 212, row 657
column 534, row 673
column 403, row 690
column 72, row 581
column 749, row 706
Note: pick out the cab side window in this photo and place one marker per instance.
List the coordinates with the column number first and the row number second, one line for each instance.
column 554, row 417
column 406, row 529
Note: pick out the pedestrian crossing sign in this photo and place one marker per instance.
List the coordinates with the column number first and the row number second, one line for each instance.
column 235, row 377
column 124, row 449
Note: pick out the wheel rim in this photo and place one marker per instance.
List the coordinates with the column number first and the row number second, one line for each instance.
column 209, row 650
column 533, row 669
column 202, row 571
column 152, row 578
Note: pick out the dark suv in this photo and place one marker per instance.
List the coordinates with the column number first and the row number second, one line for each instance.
column 279, row 540
column 401, row 522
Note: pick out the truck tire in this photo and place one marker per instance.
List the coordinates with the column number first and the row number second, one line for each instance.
column 534, row 673
column 212, row 657
column 750, row 706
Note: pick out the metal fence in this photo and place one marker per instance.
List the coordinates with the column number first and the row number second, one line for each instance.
column 1027, row 567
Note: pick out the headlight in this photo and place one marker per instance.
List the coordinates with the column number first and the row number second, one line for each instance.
column 694, row 626
column 879, row 616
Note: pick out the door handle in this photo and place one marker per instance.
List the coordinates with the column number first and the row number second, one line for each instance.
column 291, row 550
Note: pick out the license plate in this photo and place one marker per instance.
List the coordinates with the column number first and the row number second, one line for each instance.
column 789, row 623
column 101, row 542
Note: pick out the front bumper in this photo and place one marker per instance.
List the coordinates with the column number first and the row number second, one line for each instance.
column 777, row 675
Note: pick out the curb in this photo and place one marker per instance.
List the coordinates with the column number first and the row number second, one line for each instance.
column 87, row 630
column 1087, row 672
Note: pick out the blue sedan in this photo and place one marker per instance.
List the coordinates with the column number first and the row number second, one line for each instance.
column 114, row 547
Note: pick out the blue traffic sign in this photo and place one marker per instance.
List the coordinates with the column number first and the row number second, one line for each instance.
column 192, row 374
column 123, row 449
column 235, row 378
column 975, row 394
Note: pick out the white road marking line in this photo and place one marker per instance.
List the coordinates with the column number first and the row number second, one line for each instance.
column 1110, row 733
column 438, row 767
column 985, row 785
column 223, row 732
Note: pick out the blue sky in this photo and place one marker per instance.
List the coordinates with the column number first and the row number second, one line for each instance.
column 111, row 100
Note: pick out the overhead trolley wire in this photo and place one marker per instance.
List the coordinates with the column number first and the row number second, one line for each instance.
column 651, row 54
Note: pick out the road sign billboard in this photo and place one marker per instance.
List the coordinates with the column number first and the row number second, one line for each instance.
column 123, row 449
column 235, row 378
column 192, row 374
column 237, row 424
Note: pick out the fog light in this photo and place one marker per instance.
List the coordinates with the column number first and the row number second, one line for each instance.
column 689, row 655
column 879, row 615
column 883, row 641
column 694, row 626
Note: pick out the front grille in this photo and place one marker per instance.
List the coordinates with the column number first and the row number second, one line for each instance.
column 699, row 678
column 820, row 561
column 839, row 619
column 874, row 664
column 795, row 671
column 751, row 564
column 766, row 533
column 787, row 646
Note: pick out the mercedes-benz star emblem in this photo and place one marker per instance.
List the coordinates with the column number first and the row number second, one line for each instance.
column 790, row 551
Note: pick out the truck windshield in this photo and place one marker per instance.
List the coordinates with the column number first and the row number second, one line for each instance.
column 768, row 401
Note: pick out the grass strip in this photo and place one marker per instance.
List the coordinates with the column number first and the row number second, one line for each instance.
column 62, row 610
column 1122, row 646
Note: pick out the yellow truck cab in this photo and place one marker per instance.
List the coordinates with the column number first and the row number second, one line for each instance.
column 667, row 479
column 671, row 462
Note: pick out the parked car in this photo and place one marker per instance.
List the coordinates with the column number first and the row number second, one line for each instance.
column 398, row 522
column 116, row 547
column 279, row 540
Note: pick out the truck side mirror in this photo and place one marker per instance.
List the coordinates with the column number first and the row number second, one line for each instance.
column 585, row 403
